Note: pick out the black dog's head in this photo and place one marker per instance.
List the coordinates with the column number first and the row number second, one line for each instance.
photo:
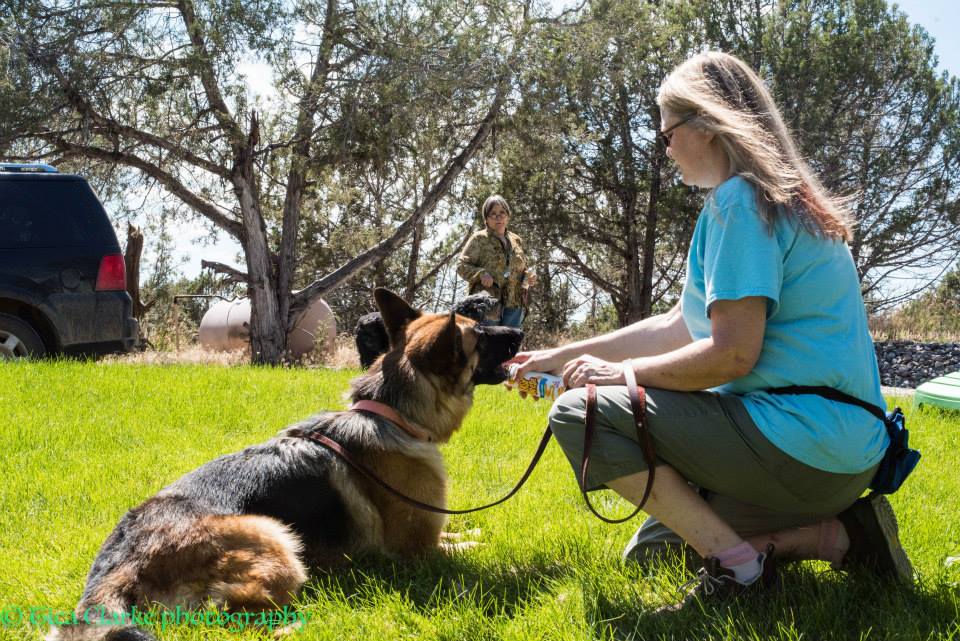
column 497, row 344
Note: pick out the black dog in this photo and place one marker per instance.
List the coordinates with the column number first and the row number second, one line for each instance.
column 372, row 338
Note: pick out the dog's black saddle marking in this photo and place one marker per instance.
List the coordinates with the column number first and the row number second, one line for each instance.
column 277, row 479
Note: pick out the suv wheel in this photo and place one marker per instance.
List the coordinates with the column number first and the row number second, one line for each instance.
column 18, row 339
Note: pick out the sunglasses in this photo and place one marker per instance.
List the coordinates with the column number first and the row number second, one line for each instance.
column 498, row 216
column 667, row 133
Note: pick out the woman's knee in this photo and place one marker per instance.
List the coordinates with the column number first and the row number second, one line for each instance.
column 567, row 415
column 570, row 408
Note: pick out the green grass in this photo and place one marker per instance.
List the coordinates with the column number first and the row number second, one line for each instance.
column 80, row 443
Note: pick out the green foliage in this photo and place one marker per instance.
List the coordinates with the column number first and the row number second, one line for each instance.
column 583, row 165
column 112, row 435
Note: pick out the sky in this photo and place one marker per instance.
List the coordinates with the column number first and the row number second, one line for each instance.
column 935, row 17
column 938, row 17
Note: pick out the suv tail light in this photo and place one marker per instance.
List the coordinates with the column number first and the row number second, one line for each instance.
column 112, row 273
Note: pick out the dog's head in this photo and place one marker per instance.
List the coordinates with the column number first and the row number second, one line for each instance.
column 449, row 346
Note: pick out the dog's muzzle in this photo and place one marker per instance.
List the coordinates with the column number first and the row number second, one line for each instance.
column 495, row 345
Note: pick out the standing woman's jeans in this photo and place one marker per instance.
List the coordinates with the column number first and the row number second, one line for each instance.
column 511, row 317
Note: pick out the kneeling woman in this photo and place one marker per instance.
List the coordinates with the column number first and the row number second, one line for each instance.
column 771, row 299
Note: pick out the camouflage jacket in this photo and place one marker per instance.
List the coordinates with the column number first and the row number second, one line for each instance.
column 485, row 253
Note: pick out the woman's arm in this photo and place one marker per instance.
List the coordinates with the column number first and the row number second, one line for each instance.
column 731, row 351
column 655, row 335
column 468, row 265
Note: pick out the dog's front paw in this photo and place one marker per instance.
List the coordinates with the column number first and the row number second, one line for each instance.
column 455, row 542
column 287, row 630
column 461, row 536
column 449, row 547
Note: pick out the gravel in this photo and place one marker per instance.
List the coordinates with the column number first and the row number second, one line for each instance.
column 906, row 364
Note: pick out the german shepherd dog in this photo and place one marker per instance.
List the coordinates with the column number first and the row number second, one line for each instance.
column 241, row 531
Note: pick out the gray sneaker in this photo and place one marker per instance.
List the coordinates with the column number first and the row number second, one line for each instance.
column 715, row 583
column 874, row 540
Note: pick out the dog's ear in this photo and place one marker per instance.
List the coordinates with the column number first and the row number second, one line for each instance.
column 396, row 313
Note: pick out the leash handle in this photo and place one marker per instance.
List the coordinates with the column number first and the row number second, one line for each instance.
column 345, row 456
column 638, row 403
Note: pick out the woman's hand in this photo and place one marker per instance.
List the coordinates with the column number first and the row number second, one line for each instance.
column 590, row 369
column 486, row 280
column 531, row 280
column 544, row 360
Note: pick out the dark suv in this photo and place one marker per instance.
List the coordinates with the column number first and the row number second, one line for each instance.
column 62, row 277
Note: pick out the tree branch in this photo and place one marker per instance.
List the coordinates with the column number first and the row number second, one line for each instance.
column 168, row 180
column 207, row 77
column 446, row 259
column 297, row 176
column 439, row 190
column 233, row 275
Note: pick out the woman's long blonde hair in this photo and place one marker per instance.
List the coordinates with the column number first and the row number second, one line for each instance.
column 729, row 99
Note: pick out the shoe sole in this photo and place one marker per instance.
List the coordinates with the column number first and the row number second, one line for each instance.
column 895, row 562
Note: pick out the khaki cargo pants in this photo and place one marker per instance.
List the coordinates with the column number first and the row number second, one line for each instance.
column 712, row 442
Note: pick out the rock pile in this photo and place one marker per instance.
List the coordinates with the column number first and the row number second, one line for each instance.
column 908, row 364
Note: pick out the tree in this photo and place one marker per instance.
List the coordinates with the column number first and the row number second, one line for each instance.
column 154, row 87
column 586, row 167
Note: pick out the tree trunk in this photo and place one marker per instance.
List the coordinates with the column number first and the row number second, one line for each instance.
column 650, row 228
column 628, row 201
column 410, row 287
column 633, row 310
column 268, row 336
column 131, row 261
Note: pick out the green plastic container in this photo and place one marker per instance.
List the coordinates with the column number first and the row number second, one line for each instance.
column 943, row 391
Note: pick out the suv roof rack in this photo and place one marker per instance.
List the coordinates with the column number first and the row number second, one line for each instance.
column 27, row 167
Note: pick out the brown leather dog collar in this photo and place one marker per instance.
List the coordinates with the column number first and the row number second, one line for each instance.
column 387, row 412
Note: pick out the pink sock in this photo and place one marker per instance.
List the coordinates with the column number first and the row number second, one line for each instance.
column 829, row 546
column 743, row 560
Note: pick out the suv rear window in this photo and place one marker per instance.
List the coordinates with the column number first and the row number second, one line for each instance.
column 51, row 211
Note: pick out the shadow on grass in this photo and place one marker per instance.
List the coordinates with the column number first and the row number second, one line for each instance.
column 808, row 605
column 432, row 583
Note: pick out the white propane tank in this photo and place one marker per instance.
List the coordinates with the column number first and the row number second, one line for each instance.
column 315, row 327
column 226, row 326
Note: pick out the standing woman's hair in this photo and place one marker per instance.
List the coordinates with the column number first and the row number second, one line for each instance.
column 730, row 100
column 495, row 199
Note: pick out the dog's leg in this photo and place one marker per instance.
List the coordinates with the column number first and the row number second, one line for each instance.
column 260, row 567
column 449, row 547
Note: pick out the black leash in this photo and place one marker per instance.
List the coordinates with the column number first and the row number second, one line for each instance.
column 831, row 394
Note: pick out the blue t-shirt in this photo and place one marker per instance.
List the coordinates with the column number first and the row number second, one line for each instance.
column 816, row 332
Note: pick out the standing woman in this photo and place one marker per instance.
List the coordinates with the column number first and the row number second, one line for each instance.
column 771, row 299
column 493, row 261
